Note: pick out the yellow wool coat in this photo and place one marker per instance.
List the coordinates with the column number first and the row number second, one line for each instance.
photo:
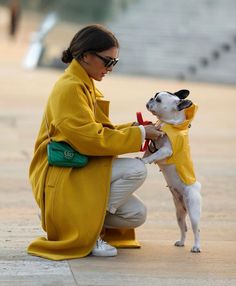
column 73, row 200
column 181, row 157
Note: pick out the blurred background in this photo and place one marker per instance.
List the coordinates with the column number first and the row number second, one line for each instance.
column 183, row 40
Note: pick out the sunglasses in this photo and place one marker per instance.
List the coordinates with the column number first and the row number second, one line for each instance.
column 108, row 62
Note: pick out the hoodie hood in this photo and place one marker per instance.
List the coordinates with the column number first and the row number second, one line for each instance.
column 189, row 114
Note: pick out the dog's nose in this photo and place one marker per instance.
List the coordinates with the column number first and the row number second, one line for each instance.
column 150, row 100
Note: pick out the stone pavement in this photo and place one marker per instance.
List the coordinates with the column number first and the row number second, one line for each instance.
column 23, row 95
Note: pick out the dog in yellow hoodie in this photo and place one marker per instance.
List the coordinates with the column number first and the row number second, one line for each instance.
column 172, row 154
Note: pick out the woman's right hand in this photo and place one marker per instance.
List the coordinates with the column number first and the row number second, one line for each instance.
column 152, row 132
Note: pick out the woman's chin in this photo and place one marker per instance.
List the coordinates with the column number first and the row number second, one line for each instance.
column 98, row 78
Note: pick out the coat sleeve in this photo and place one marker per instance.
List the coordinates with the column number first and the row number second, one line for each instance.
column 124, row 125
column 84, row 132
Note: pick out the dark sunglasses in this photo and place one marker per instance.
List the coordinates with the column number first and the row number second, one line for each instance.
column 107, row 62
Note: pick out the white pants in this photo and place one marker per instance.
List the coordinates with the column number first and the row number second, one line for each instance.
column 125, row 209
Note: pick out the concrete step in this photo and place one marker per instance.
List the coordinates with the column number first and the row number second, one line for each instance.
column 162, row 38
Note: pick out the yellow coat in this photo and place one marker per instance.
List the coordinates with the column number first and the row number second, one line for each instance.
column 181, row 157
column 73, row 201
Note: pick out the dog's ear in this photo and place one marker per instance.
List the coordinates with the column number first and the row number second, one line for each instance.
column 182, row 94
column 184, row 104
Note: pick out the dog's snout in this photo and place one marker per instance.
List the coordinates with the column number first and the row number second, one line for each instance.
column 148, row 104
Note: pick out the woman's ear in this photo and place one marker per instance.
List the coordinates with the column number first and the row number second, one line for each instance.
column 85, row 58
column 184, row 104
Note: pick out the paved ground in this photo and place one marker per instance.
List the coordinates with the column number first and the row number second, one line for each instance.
column 22, row 98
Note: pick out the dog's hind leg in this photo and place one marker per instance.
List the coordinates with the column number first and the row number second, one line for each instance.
column 180, row 215
column 193, row 204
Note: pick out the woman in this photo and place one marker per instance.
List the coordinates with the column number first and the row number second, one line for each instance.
column 79, row 205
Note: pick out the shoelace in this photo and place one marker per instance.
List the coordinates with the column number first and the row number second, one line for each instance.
column 100, row 243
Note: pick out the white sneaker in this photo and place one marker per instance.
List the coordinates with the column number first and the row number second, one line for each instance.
column 102, row 248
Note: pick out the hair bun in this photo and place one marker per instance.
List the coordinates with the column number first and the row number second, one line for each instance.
column 67, row 56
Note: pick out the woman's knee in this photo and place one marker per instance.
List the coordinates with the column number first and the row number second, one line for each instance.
column 134, row 220
column 141, row 215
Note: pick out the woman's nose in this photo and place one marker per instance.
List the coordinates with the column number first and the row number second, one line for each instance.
column 109, row 69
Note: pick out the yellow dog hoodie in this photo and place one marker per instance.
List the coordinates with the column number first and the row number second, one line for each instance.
column 181, row 157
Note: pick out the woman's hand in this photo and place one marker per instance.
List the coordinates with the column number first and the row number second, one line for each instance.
column 152, row 132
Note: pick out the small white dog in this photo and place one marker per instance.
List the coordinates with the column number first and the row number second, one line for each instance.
column 172, row 154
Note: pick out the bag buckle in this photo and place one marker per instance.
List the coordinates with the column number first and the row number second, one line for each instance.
column 68, row 154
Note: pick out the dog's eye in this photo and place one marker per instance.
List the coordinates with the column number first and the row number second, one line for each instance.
column 158, row 99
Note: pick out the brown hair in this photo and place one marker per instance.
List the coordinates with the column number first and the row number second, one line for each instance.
column 94, row 38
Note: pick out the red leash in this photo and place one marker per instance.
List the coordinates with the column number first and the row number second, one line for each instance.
column 141, row 122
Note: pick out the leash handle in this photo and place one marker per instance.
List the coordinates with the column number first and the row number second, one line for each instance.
column 142, row 122
column 140, row 119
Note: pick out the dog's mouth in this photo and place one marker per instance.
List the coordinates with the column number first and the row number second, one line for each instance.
column 150, row 108
column 153, row 112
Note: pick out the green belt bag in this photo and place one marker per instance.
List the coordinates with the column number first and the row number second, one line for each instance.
column 61, row 154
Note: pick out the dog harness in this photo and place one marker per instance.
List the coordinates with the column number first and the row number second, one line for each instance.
column 181, row 157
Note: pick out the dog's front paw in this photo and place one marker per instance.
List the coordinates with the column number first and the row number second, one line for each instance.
column 179, row 243
column 139, row 158
column 146, row 160
column 195, row 249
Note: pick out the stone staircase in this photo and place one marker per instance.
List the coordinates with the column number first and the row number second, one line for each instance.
column 184, row 39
